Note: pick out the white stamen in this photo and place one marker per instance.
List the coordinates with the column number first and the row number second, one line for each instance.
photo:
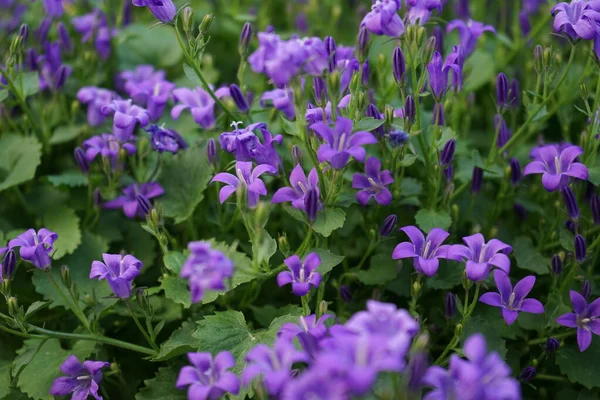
column 482, row 254
column 342, row 142
column 235, row 124
column 511, row 300
column 303, row 323
column 427, row 246
column 557, row 165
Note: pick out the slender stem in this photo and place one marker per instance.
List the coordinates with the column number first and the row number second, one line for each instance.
column 73, row 307
column 140, row 327
column 460, row 189
column 554, row 378
column 305, row 306
column 544, row 340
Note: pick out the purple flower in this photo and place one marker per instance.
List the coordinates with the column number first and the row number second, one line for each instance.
column 208, row 378
column 469, row 32
column 166, row 140
column 118, row 271
column 586, row 319
column 309, row 325
column 341, row 143
column 438, row 74
column 35, row 247
column 130, row 80
column 425, row 252
column 129, row 201
column 420, row 10
column 95, row 98
column 205, row 268
column 282, row 99
column 512, row 300
column 557, row 168
column 54, row 8
column 281, row 60
column 373, row 183
column 93, row 25
column 482, row 375
column 315, row 385
column 82, row 380
column 246, row 145
column 246, row 178
column 315, row 114
column 383, row 19
column 154, row 95
column 107, row 146
column 300, row 186
column 199, row 102
column 480, row 256
column 163, row 10
column 126, row 118
column 577, row 19
column 273, row 365
column 302, row 275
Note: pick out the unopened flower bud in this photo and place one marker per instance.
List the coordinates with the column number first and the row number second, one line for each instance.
column 363, row 43
column 207, row 21
column 586, row 289
column 211, row 151
column 13, row 306
column 556, row 264
column 450, row 305
column 477, row 180
column 501, row 90
column 245, row 37
column 417, row 367
column 62, row 73
column 320, row 90
column 388, row 225
column 373, row 112
column 399, row 65
column 65, row 39
column 595, row 204
column 312, row 204
column 570, row 203
column 416, row 289
column 552, row 345
column 8, row 265
column 458, row 330
column 322, row 308
column 515, row 171
column 538, row 54
column 24, row 33
column 330, row 47
column 346, row 294
column 81, row 160
column 296, row 154
column 410, row 109
column 141, row 298
column 284, row 246
column 547, row 57
column 527, row 374
column 430, row 47
column 238, row 97
column 65, row 276
column 447, row 154
column 187, row 20
column 580, row 248
column 144, row 204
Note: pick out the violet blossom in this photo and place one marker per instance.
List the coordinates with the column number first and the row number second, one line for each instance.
column 163, row 10
column 425, row 252
column 128, row 201
column 246, row 178
column 469, row 32
column 208, row 378
column 586, row 318
column 282, row 100
column 119, row 271
column 199, row 102
column 557, row 167
column 94, row 25
column 246, row 145
column 373, row 183
column 512, row 301
column 383, row 19
column 107, row 146
column 309, row 325
column 577, row 19
column 300, row 186
column 83, row 379
column 35, row 247
column 279, row 59
column 438, row 75
column 126, row 118
column 315, row 385
column 168, row 140
column 95, row 98
column 302, row 274
column 480, row 256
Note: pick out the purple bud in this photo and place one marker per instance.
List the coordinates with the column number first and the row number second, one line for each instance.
column 571, row 227
column 320, row 90
column 311, row 204
column 31, row 59
column 144, row 204
column 450, row 305
column 524, row 23
column 586, row 289
column 270, row 29
column 556, row 264
column 501, row 90
column 397, row 138
column 296, row 154
column 81, row 160
column 595, row 203
column 570, row 203
column 61, row 77
column 438, row 34
column 373, row 112
column 417, row 367
column 462, row 9
column 238, row 97
column 301, row 22
column 503, row 131
column 449, row 173
column 399, row 65
column 365, row 77
column 363, row 42
column 538, row 54
column 24, row 32
column 514, row 96
column 330, row 48
column 520, row 211
column 580, row 248
column 43, row 29
column 211, row 151
column 515, row 171
column 346, row 294
column 388, row 225
column 447, row 154
column 65, row 39
column 477, row 180
column 8, row 265
column 438, row 114
column 410, row 109
column 552, row 345
column 127, row 13
column 245, row 37
column 527, row 374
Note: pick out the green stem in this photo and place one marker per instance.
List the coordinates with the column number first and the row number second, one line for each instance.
column 305, row 306
column 544, row 340
column 73, row 307
column 140, row 327
column 554, row 378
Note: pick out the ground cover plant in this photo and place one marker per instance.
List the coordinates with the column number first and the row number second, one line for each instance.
column 299, row 200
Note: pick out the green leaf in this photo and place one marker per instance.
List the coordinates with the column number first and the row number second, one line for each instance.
column 429, row 219
column 594, row 173
column 567, row 239
column 328, row 260
column 184, row 178
column 528, row 257
column 368, row 124
column 410, row 187
column 71, row 179
column 329, row 220
column 266, row 314
column 35, row 307
column 482, row 69
column 180, row 342
column 176, row 289
column 19, row 158
column 3, row 94
column 162, row 387
column 266, row 249
column 144, row 45
column 408, row 160
column 290, row 127
column 580, row 367
column 174, row 261
column 65, row 223
column 5, row 366
column 64, row 134
column 31, row 83
column 140, row 244
column 381, row 271
column 38, row 375
column 493, row 338
column 449, row 274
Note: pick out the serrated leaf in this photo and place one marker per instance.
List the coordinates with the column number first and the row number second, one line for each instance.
column 162, row 387
column 580, row 367
column 180, row 342
column 64, row 134
column 71, row 179
column 328, row 260
column 19, row 158
column 184, row 177
column 65, row 223
column 429, row 219
column 35, row 307
column 5, row 378
column 174, row 261
column 410, row 187
column 329, row 220
column 368, row 124
column 478, row 324
column 266, row 314
column 176, row 289
column 528, row 257
column 381, row 271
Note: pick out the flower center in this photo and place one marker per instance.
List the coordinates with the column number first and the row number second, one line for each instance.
column 302, row 187
column 235, row 125
column 241, row 177
column 362, row 351
column 557, row 165
column 482, row 254
column 426, row 250
column 342, row 142
column 303, row 323
column 511, row 300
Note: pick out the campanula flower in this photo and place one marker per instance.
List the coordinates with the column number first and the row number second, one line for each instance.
column 302, row 274
column 130, row 80
column 128, row 202
column 35, row 247
column 438, row 75
column 163, row 10
column 247, row 146
column 199, row 102
column 163, row 139
column 272, row 365
column 425, row 252
column 469, row 32
column 482, row 376
column 314, row 384
column 282, row 100
column 309, row 325
column 420, row 10
column 94, row 25
column 512, row 301
column 154, row 96
column 318, row 114
column 557, row 167
column 54, row 8
column 83, row 379
column 246, row 178
column 341, row 143
column 586, row 319
column 383, row 19
column 53, row 73
column 300, row 186
column 95, row 98
column 208, row 378
column 119, row 271
column 107, row 146
column 279, row 59
column 373, row 183
column 577, row 19
column 126, row 118
column 480, row 256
